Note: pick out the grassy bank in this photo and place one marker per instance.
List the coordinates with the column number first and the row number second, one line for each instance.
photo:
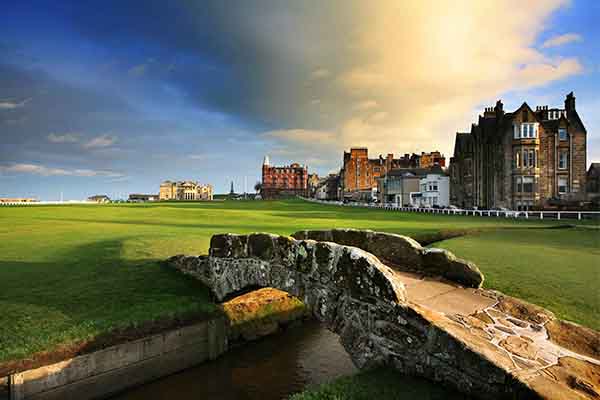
column 70, row 273
column 380, row 384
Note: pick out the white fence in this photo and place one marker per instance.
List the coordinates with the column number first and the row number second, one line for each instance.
column 574, row 215
column 44, row 203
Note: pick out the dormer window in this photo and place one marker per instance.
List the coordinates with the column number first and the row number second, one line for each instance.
column 562, row 133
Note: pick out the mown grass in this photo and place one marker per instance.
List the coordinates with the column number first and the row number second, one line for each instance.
column 69, row 273
column 380, row 384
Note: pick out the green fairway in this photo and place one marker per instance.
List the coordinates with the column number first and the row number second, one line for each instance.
column 72, row 272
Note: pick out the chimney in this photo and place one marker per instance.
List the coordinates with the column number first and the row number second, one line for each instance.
column 570, row 103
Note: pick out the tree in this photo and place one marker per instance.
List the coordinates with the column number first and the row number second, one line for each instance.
column 258, row 187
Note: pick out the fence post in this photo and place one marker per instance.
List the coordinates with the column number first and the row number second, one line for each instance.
column 559, row 215
column 541, row 215
column 579, row 216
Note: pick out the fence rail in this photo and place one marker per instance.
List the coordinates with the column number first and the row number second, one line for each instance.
column 558, row 215
column 43, row 203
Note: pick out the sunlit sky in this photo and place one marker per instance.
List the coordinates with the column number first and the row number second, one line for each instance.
column 112, row 97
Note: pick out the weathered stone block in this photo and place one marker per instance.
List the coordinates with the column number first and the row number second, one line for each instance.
column 443, row 263
column 401, row 251
column 350, row 237
column 260, row 245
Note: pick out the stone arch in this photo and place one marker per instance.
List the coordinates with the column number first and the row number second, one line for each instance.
column 344, row 287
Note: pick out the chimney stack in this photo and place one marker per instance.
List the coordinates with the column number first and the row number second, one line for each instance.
column 570, row 103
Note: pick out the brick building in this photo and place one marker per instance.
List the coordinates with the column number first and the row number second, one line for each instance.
column 287, row 181
column 428, row 160
column 523, row 159
column 185, row 190
column 359, row 174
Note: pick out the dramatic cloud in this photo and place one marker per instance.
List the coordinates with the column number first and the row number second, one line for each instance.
column 42, row 170
column 64, row 138
column 100, row 142
column 561, row 40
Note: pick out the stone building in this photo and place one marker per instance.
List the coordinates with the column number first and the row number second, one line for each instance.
column 593, row 182
column 522, row 159
column 286, row 181
column 185, row 190
column 328, row 188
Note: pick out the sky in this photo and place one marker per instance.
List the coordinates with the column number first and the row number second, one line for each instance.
column 113, row 97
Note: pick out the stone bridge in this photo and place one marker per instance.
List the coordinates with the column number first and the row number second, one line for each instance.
column 396, row 304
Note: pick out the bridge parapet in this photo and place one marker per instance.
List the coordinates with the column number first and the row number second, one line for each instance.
column 403, row 253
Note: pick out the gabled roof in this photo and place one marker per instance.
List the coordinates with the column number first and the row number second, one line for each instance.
column 594, row 170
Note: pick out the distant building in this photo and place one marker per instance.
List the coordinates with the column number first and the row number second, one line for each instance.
column 100, row 198
column 422, row 187
column 285, row 181
column 17, row 200
column 313, row 183
column 185, row 190
column 329, row 188
column 428, row 160
column 143, row 197
column 522, row 159
column 593, row 181
column 435, row 191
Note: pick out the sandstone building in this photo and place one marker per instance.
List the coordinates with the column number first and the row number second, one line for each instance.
column 286, row 181
column 522, row 159
column 185, row 190
column 593, row 182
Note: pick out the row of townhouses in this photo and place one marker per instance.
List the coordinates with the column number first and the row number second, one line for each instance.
column 524, row 159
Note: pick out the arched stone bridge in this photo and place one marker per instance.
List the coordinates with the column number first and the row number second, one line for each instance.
column 418, row 317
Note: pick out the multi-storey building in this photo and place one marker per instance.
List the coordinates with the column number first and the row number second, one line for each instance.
column 523, row 159
column 286, row 181
column 360, row 173
column 185, row 190
column 428, row 160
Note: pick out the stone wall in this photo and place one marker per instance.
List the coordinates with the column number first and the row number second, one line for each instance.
column 403, row 253
column 108, row 371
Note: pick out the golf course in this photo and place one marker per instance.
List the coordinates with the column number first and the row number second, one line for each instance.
column 71, row 273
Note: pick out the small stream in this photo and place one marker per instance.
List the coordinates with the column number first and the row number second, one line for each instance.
column 272, row 368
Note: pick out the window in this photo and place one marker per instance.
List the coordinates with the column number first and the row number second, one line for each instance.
column 562, row 133
column 527, row 184
column 526, row 131
column 562, row 185
column 518, row 159
column 531, row 159
column 518, row 184
column 525, row 158
column 376, row 169
column 563, row 160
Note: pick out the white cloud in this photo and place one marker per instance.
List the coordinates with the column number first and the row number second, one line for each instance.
column 11, row 105
column 64, row 138
column 408, row 74
column 36, row 169
column 100, row 142
column 560, row 40
column 320, row 73
column 365, row 105
column 137, row 70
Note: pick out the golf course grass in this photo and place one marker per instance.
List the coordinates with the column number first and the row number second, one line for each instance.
column 71, row 273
